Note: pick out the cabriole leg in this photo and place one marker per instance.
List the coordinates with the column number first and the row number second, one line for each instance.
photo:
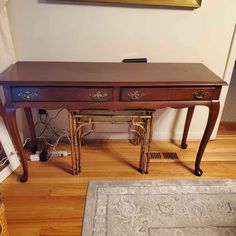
column 30, row 121
column 212, row 117
column 14, row 132
column 186, row 127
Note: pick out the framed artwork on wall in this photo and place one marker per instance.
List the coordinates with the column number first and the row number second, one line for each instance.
column 170, row 3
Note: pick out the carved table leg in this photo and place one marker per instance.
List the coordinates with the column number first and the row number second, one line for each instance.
column 186, row 127
column 30, row 121
column 2, row 113
column 14, row 132
column 71, row 123
column 212, row 117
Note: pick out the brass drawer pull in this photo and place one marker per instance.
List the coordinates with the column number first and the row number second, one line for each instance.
column 136, row 95
column 199, row 94
column 98, row 95
column 27, row 95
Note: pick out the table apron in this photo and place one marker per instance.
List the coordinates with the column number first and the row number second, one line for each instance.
column 111, row 105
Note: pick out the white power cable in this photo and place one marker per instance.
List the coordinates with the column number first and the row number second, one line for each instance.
column 3, row 161
column 6, row 159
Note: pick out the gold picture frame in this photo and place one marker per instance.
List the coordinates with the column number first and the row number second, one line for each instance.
column 167, row 3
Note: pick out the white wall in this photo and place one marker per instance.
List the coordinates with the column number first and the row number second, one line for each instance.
column 6, row 58
column 80, row 32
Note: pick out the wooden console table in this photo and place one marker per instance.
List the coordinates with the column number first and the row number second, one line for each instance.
column 115, row 86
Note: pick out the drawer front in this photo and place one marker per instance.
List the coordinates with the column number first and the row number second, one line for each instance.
column 44, row 94
column 169, row 93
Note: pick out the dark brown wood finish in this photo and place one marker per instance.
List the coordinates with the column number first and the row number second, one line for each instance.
column 95, row 74
column 172, row 93
column 13, row 130
column 212, row 117
column 116, row 86
column 1, row 108
column 29, row 117
column 186, row 127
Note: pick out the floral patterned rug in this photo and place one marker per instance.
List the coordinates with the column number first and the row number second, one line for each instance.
column 160, row 208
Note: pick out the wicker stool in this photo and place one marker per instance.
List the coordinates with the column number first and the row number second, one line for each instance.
column 3, row 222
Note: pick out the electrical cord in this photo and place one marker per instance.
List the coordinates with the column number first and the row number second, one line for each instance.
column 6, row 159
column 48, row 126
column 56, row 135
column 3, row 161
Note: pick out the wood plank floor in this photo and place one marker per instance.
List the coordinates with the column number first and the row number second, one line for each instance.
column 227, row 128
column 52, row 201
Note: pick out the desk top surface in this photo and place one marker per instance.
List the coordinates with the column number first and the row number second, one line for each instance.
column 72, row 73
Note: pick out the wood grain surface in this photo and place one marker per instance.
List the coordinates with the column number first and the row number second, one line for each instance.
column 52, row 201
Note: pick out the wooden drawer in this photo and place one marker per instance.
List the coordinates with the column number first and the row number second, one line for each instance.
column 57, row 94
column 169, row 93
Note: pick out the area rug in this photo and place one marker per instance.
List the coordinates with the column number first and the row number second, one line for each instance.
column 160, row 208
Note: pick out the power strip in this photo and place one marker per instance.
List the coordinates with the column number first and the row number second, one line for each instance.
column 35, row 157
column 59, row 154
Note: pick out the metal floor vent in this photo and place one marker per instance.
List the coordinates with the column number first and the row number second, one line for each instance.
column 163, row 156
column 170, row 155
column 155, row 155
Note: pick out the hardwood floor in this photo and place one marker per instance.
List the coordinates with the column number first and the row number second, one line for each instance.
column 227, row 127
column 52, row 201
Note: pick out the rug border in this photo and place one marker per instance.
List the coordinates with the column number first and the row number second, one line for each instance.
column 87, row 225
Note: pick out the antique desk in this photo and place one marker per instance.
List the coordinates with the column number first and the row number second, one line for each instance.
column 115, row 86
